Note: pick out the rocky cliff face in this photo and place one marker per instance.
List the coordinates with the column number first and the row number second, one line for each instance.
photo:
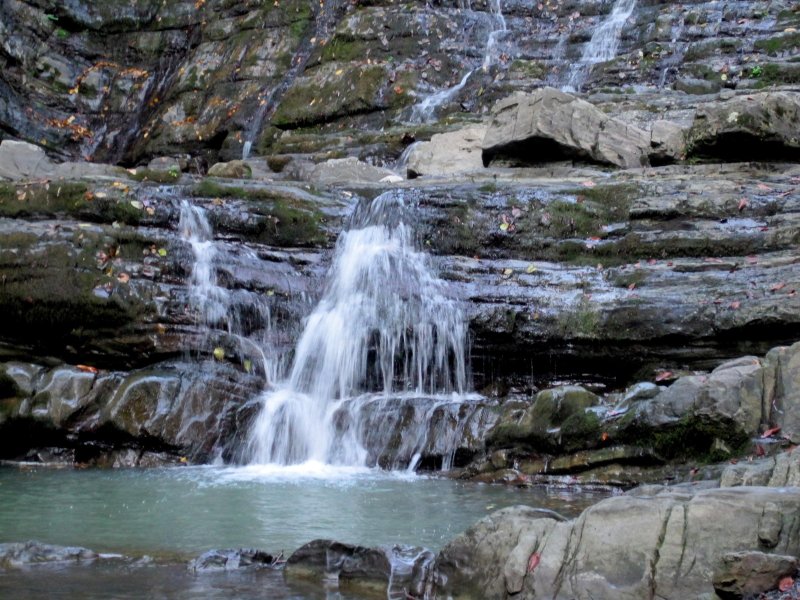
column 129, row 80
column 649, row 231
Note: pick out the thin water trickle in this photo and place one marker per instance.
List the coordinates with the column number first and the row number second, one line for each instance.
column 603, row 45
column 241, row 318
column 385, row 326
column 425, row 110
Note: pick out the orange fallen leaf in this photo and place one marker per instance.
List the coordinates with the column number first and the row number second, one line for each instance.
column 777, row 287
column 86, row 368
column 632, row 286
column 764, row 187
column 588, row 184
column 735, row 305
column 742, row 204
column 604, row 436
column 770, row 432
column 663, row 375
column 534, row 561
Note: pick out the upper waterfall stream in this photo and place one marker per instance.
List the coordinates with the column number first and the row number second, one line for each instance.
column 384, row 328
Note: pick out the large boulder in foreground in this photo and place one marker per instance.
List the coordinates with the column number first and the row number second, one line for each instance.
column 653, row 543
column 754, row 127
column 549, row 125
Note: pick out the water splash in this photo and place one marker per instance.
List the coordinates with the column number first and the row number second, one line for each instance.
column 425, row 110
column 603, row 45
column 384, row 326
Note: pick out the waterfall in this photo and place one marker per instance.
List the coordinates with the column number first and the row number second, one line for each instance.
column 238, row 322
column 603, row 45
column 425, row 110
column 384, row 329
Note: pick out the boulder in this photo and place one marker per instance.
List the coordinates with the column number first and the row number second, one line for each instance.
column 742, row 574
column 667, row 142
column 386, row 569
column 754, row 127
column 662, row 543
column 554, row 414
column 235, row 169
column 344, row 170
column 549, row 125
column 21, row 160
column 448, row 153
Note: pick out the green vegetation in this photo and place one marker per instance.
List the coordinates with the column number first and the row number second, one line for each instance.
column 285, row 221
column 778, row 43
column 170, row 176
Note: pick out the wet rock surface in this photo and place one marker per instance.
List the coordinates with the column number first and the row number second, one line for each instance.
column 21, row 554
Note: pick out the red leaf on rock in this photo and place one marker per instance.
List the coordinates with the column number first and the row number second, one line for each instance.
column 742, row 204
column 770, row 432
column 735, row 304
column 760, row 451
column 777, row 287
column 86, row 368
column 533, row 561
column 663, row 375
column 786, row 584
column 632, row 286
column 764, row 188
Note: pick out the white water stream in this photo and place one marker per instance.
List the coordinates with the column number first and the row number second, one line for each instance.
column 425, row 110
column 384, row 329
column 603, row 46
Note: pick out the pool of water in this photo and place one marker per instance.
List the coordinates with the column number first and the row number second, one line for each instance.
column 177, row 513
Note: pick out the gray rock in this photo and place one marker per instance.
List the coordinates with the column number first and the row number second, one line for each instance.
column 384, row 569
column 742, row 574
column 15, row 555
column 752, row 127
column 665, row 545
column 548, row 124
column 667, row 142
column 343, row 170
column 21, row 160
column 235, row 169
column 232, row 559
column 448, row 153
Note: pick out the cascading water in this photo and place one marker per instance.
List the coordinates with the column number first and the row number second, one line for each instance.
column 237, row 319
column 603, row 45
column 425, row 110
column 384, row 329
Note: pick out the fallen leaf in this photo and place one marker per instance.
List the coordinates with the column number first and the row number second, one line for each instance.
column 785, row 584
column 504, row 226
column 664, row 375
column 530, row 269
column 604, row 436
column 534, row 561
column 632, row 286
column 248, row 365
column 764, row 187
column 162, row 252
column 86, row 368
column 770, row 432
column 516, row 213
column 137, row 204
column 760, row 450
column 735, row 304
column 588, row 184
column 742, row 204
column 777, row 287
column 508, row 272
column 123, row 278
column 219, row 353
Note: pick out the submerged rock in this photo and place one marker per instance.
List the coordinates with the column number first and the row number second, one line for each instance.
column 21, row 554
column 385, row 569
column 232, row 559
